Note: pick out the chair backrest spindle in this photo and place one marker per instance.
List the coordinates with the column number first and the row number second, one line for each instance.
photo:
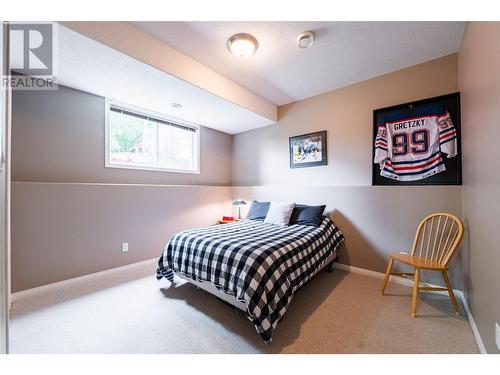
column 435, row 238
column 438, row 237
column 423, row 239
column 429, row 239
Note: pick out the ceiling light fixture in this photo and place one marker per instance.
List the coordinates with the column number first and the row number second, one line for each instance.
column 242, row 45
column 305, row 39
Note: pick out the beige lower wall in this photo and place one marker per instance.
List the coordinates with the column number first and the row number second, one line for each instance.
column 374, row 220
column 61, row 231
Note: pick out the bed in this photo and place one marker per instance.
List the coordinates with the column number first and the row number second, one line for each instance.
column 253, row 265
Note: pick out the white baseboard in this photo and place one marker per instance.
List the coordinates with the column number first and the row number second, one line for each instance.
column 472, row 323
column 17, row 296
column 398, row 280
column 394, row 279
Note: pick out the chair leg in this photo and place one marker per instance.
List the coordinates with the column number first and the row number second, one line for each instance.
column 387, row 274
column 450, row 292
column 415, row 293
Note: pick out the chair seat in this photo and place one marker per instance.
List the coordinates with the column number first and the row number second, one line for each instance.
column 418, row 262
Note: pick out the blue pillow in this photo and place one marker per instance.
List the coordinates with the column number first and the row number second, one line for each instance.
column 258, row 210
column 307, row 215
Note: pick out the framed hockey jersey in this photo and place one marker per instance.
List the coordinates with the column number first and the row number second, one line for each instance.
column 418, row 143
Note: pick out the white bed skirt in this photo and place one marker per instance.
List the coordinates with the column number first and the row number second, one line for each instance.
column 210, row 288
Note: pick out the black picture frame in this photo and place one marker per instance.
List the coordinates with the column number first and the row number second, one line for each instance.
column 453, row 173
column 313, row 138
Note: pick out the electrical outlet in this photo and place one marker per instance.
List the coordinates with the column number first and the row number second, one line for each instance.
column 124, row 247
column 497, row 335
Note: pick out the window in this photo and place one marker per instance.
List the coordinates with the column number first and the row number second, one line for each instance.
column 139, row 140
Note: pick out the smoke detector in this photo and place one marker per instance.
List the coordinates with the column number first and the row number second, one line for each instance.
column 305, row 39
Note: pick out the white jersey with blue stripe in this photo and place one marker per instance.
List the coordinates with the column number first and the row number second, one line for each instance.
column 409, row 147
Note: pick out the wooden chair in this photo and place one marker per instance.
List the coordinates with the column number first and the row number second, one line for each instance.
column 437, row 239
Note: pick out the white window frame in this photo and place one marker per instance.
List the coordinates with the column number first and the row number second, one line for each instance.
column 140, row 111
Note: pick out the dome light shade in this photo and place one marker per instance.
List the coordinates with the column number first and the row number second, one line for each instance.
column 242, row 45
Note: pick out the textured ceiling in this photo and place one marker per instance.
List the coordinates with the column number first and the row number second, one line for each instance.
column 90, row 66
column 343, row 53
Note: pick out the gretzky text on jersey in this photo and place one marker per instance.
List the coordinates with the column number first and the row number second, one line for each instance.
column 409, row 148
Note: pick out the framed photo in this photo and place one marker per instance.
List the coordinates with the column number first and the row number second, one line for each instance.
column 418, row 143
column 308, row 150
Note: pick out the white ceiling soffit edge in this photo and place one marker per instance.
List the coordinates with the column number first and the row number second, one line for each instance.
column 137, row 43
column 93, row 67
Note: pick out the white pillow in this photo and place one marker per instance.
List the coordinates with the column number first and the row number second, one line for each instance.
column 279, row 213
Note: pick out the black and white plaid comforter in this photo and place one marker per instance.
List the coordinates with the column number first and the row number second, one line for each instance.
column 260, row 264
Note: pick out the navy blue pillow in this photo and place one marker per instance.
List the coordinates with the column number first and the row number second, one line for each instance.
column 258, row 210
column 307, row 215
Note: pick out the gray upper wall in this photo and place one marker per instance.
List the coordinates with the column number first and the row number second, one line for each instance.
column 58, row 136
column 260, row 157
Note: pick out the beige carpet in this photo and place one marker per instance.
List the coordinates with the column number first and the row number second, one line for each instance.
column 133, row 313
